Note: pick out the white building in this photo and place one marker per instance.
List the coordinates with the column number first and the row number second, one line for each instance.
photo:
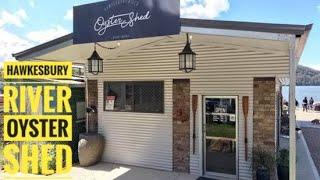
column 151, row 124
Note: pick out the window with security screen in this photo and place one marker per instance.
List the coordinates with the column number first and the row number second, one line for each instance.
column 145, row 96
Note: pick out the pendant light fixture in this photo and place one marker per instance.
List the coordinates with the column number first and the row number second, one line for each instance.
column 187, row 58
column 95, row 62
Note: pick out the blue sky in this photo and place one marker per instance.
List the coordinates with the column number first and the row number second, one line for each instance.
column 26, row 23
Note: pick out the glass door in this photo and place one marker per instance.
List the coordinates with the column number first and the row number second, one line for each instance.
column 220, row 135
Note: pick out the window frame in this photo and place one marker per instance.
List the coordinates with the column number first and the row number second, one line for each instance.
column 105, row 83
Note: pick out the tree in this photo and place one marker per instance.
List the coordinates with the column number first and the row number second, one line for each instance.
column 307, row 76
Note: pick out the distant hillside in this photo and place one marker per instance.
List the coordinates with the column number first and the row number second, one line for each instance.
column 307, row 76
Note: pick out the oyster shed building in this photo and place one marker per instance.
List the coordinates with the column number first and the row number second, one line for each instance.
column 174, row 94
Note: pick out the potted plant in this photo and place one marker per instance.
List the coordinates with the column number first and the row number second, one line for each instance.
column 283, row 164
column 263, row 163
column 90, row 148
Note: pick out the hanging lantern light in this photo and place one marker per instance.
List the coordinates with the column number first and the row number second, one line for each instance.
column 95, row 62
column 187, row 58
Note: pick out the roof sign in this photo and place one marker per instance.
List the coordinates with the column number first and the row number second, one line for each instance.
column 125, row 19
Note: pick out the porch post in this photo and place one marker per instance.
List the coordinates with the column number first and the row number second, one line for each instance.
column 292, row 107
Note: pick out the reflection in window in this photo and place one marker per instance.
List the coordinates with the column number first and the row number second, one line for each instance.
column 221, row 116
column 114, row 89
column 134, row 96
column 148, row 97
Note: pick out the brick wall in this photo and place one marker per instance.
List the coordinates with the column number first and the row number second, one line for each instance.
column 264, row 106
column 181, row 125
column 93, row 100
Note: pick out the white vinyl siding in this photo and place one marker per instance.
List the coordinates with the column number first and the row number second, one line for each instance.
column 141, row 139
column 145, row 139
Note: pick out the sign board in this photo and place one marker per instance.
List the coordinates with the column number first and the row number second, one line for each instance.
column 125, row 19
column 110, row 102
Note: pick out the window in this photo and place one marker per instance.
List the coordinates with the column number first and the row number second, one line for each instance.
column 134, row 96
column 221, row 114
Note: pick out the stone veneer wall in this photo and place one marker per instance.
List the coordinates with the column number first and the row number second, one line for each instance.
column 181, row 125
column 93, row 101
column 264, row 107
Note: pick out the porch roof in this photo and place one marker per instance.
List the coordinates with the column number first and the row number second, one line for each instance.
column 300, row 31
column 297, row 30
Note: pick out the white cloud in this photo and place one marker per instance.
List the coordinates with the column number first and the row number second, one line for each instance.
column 45, row 35
column 15, row 18
column 32, row 3
column 11, row 43
column 205, row 9
column 69, row 15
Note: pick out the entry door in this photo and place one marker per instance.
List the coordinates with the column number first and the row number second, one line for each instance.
column 220, row 136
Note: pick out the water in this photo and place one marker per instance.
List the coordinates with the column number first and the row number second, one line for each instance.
column 303, row 91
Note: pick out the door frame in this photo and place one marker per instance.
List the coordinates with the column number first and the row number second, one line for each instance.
column 203, row 141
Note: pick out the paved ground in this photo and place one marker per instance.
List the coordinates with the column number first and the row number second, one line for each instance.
column 304, row 118
column 312, row 137
column 110, row 171
column 305, row 168
column 121, row 172
column 305, row 165
column 309, row 150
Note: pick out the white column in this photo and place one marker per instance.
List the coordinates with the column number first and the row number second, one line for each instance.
column 292, row 107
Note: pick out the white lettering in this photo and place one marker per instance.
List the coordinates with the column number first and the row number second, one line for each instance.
column 122, row 20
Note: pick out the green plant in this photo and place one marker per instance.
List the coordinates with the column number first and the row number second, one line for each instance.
column 283, row 158
column 2, row 159
column 264, row 159
column 1, row 154
column 51, row 154
column 221, row 130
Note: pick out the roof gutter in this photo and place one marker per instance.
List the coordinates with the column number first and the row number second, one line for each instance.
column 247, row 26
column 231, row 28
column 51, row 44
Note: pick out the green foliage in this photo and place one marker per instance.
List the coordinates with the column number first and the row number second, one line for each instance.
column 307, row 76
column 2, row 160
column 283, row 158
column 1, row 154
column 1, row 127
column 221, row 130
column 263, row 158
column 51, row 155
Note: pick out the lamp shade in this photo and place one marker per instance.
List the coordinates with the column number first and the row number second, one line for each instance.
column 95, row 63
column 187, row 58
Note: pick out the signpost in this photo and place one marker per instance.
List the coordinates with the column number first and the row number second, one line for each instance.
column 125, row 19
